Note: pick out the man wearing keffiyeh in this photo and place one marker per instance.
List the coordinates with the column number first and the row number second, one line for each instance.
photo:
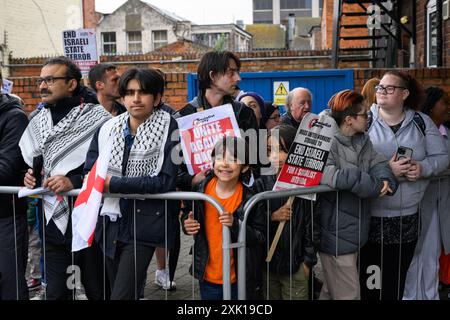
column 58, row 137
column 142, row 141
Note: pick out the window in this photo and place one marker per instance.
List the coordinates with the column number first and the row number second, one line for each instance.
column 109, row 43
column 262, row 4
column 295, row 4
column 159, row 39
column 432, row 32
column 134, row 42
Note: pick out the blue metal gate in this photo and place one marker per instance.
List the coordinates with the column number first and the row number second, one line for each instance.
column 322, row 83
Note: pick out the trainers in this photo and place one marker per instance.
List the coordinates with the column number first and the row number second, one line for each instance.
column 33, row 284
column 162, row 280
column 40, row 293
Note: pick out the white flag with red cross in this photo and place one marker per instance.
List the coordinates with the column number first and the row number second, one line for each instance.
column 87, row 205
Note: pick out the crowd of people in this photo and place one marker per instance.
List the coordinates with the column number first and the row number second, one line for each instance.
column 383, row 234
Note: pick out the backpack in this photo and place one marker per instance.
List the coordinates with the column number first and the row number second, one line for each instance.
column 417, row 120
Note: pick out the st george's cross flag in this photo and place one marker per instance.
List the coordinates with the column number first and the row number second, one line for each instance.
column 87, row 205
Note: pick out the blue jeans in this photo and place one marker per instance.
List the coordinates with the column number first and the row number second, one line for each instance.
column 212, row 291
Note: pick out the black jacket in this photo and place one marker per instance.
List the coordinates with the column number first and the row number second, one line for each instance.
column 305, row 241
column 13, row 123
column 289, row 120
column 245, row 118
column 256, row 233
column 58, row 111
column 150, row 214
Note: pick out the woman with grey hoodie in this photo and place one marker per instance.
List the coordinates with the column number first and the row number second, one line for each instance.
column 395, row 220
column 359, row 174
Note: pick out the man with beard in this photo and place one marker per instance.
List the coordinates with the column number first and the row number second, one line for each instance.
column 55, row 144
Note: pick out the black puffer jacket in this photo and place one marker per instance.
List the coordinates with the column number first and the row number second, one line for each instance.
column 13, row 122
column 305, row 241
column 256, row 231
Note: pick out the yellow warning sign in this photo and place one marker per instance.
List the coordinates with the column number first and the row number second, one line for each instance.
column 281, row 90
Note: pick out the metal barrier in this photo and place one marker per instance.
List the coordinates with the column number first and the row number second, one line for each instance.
column 166, row 196
column 241, row 244
column 226, row 245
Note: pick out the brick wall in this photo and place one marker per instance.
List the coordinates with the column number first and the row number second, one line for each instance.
column 421, row 28
column 327, row 26
column 420, row 33
column 90, row 17
column 427, row 77
column 446, row 43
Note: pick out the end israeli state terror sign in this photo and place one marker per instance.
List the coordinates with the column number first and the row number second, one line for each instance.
column 80, row 46
column 199, row 133
column 308, row 154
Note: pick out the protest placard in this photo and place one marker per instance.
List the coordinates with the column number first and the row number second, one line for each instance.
column 308, row 154
column 199, row 132
column 81, row 47
column 7, row 86
column 305, row 161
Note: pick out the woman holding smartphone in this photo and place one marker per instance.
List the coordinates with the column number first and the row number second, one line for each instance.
column 395, row 220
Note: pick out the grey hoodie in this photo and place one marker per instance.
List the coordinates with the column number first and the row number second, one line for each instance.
column 357, row 171
column 429, row 150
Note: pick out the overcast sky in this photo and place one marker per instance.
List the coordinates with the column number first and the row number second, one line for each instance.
column 197, row 11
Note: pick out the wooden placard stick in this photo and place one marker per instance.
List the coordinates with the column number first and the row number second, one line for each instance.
column 274, row 244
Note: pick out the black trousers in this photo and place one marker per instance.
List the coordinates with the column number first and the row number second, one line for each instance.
column 13, row 257
column 127, row 271
column 61, row 278
column 393, row 261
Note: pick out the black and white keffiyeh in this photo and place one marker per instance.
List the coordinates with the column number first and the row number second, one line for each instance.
column 63, row 147
column 146, row 155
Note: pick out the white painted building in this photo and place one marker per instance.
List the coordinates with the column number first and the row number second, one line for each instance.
column 33, row 28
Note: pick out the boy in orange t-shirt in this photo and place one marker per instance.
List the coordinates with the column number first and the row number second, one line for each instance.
column 230, row 163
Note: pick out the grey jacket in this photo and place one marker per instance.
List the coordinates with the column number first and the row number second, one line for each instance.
column 437, row 199
column 357, row 171
column 429, row 150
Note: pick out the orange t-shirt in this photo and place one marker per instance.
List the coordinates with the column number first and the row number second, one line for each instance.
column 213, row 229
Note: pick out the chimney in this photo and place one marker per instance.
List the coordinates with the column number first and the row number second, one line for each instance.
column 291, row 29
column 240, row 23
column 90, row 17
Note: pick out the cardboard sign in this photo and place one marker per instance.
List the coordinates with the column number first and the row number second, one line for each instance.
column 199, row 132
column 80, row 46
column 7, row 86
column 308, row 154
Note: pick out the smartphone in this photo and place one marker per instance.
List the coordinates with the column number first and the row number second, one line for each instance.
column 38, row 163
column 403, row 152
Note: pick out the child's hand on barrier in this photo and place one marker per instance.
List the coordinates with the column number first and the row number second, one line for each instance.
column 282, row 214
column 226, row 219
column 191, row 225
column 385, row 189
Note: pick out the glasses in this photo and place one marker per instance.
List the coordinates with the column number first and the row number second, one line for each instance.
column 49, row 80
column 387, row 89
column 364, row 115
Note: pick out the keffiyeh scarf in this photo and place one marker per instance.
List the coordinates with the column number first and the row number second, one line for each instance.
column 146, row 155
column 63, row 147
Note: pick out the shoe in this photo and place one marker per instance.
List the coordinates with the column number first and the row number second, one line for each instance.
column 33, row 284
column 40, row 293
column 162, row 280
